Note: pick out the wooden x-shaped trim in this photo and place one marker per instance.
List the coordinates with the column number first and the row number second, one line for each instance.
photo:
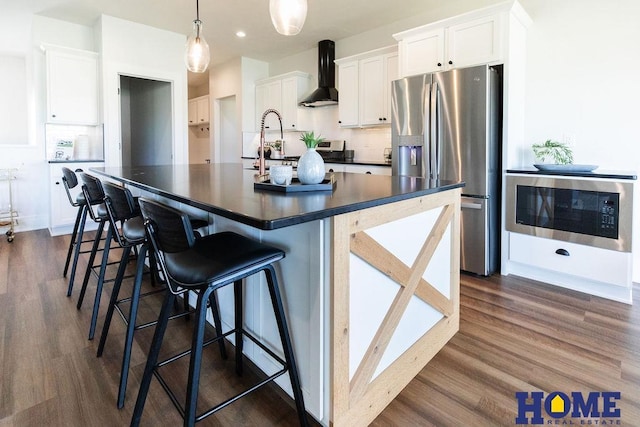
column 410, row 280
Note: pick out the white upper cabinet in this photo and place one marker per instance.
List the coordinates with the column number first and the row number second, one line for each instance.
column 364, row 83
column 72, row 86
column 471, row 39
column 474, row 42
column 348, row 82
column 282, row 93
column 199, row 110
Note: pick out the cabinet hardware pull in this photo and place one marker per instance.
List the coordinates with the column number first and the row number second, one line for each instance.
column 563, row 252
column 450, row 62
column 439, row 64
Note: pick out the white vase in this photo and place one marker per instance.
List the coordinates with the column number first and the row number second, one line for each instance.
column 311, row 167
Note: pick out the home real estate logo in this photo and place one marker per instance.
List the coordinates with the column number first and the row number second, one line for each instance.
column 593, row 408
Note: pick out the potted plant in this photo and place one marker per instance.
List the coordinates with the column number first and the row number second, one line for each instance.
column 558, row 153
column 311, row 165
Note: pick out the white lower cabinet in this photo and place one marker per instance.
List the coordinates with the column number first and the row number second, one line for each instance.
column 374, row 170
column 596, row 271
column 62, row 215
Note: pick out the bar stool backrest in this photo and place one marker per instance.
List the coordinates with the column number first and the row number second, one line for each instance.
column 170, row 228
column 93, row 192
column 169, row 231
column 70, row 180
column 119, row 202
column 120, row 205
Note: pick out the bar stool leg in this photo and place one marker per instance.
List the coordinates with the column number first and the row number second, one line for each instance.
column 103, row 269
column 239, row 316
column 92, row 258
column 287, row 347
column 196, row 358
column 72, row 241
column 77, row 249
column 131, row 326
column 114, row 298
column 152, row 359
column 217, row 322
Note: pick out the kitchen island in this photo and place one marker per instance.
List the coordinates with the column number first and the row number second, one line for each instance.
column 370, row 280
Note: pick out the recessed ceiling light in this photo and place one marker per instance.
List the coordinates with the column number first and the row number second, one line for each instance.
column 241, row 34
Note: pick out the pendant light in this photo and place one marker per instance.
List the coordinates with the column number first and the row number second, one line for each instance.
column 196, row 55
column 288, row 16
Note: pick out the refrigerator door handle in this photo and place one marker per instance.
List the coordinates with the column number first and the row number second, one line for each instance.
column 434, row 146
column 470, row 205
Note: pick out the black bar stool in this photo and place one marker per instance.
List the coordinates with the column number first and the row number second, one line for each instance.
column 94, row 196
column 129, row 233
column 204, row 265
column 70, row 180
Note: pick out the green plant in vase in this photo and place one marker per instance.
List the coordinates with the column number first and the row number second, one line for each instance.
column 311, row 140
column 311, row 165
column 557, row 152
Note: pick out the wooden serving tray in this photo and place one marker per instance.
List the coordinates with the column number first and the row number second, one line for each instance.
column 327, row 184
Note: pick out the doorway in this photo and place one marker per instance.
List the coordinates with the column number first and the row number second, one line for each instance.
column 145, row 122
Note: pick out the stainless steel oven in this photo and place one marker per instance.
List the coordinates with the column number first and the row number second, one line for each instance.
column 590, row 212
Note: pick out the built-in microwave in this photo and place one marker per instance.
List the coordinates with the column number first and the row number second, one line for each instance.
column 591, row 212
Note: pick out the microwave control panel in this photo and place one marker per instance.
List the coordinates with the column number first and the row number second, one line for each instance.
column 608, row 215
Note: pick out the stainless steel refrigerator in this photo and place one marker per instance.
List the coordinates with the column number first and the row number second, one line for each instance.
column 447, row 126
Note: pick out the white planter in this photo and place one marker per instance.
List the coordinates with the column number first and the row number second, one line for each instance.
column 311, row 167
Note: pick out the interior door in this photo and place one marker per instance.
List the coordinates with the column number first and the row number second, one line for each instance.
column 146, row 122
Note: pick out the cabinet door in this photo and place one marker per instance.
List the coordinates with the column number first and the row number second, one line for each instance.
column 193, row 112
column 348, row 89
column 371, row 91
column 391, row 73
column 473, row 43
column 422, row 53
column 203, row 110
column 269, row 95
column 290, row 103
column 72, row 88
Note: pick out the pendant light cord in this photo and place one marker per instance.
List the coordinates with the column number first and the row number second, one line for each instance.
column 198, row 10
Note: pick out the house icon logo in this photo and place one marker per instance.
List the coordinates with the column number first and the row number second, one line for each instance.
column 557, row 407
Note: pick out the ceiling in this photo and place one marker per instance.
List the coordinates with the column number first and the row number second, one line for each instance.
column 326, row 19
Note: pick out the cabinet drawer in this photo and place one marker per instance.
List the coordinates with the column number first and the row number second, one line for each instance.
column 587, row 262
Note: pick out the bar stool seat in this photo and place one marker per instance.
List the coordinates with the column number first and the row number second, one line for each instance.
column 204, row 265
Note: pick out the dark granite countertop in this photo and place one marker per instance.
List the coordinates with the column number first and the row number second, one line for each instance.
column 595, row 174
column 227, row 190
column 77, row 161
column 343, row 162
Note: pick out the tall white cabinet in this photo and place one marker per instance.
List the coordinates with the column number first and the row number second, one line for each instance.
column 494, row 35
column 73, row 133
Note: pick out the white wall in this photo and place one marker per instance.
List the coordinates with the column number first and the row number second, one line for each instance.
column 235, row 78
column 137, row 50
column 23, row 36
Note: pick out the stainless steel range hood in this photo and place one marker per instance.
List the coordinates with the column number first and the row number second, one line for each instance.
column 326, row 93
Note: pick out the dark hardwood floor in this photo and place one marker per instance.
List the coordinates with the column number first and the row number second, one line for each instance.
column 515, row 335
